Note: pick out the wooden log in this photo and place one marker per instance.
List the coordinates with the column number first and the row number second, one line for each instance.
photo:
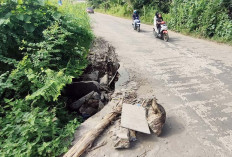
column 113, row 78
column 86, row 141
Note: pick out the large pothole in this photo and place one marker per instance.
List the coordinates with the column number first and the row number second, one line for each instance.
column 92, row 91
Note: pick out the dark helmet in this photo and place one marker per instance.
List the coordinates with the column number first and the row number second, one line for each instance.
column 157, row 14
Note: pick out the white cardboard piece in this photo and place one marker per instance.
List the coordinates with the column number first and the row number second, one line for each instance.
column 134, row 118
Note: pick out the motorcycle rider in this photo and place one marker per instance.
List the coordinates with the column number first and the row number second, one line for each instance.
column 135, row 18
column 135, row 15
column 155, row 18
column 159, row 19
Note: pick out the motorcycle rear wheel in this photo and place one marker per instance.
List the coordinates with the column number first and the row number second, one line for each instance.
column 134, row 27
column 166, row 37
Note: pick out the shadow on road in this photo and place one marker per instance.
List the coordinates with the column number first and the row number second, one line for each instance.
column 144, row 31
column 172, row 127
column 173, row 40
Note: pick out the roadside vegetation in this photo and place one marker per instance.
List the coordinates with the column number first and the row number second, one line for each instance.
column 202, row 18
column 42, row 47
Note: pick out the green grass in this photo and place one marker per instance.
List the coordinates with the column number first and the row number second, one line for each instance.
column 147, row 15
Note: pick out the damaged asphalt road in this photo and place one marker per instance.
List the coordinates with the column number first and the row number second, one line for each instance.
column 190, row 77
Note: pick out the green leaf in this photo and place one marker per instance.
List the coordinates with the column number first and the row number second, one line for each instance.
column 57, row 15
column 27, row 18
column 8, row 15
column 20, row 17
column 2, row 21
column 29, row 27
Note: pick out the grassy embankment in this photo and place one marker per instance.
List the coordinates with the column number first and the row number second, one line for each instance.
column 42, row 47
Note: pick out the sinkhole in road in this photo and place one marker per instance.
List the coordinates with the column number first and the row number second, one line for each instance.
column 89, row 93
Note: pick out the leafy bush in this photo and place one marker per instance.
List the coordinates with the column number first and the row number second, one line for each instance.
column 33, row 131
column 206, row 18
column 42, row 48
column 134, row 4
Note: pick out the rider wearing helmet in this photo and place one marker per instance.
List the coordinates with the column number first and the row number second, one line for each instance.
column 159, row 19
column 135, row 15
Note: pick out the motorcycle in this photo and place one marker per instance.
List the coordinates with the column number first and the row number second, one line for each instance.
column 163, row 31
column 136, row 25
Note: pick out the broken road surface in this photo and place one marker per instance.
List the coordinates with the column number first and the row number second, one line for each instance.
column 191, row 78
